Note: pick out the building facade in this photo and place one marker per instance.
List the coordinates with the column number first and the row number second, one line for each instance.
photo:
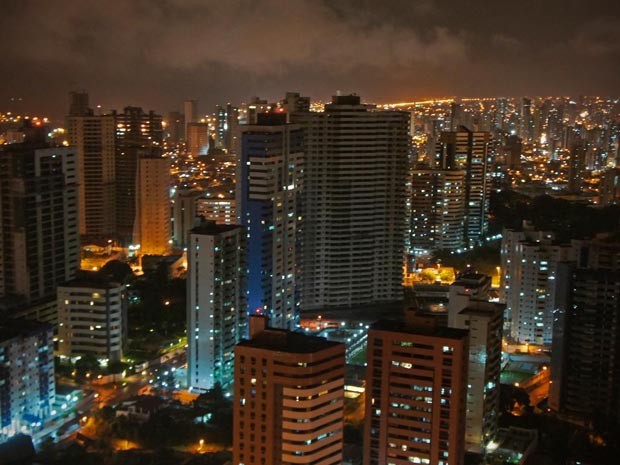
column 585, row 367
column 27, row 385
column 94, row 140
column 138, row 134
column 216, row 303
column 437, row 209
column 197, row 139
column 270, row 178
column 416, row 388
column 484, row 321
column 152, row 227
column 289, row 398
column 39, row 238
column 184, row 212
column 354, row 204
column 92, row 319
column 467, row 150
column 529, row 262
column 218, row 210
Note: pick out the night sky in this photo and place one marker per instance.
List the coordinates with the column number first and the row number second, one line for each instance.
column 156, row 53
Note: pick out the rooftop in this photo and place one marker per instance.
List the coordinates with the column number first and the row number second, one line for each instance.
column 211, row 228
column 91, row 279
column 10, row 329
column 281, row 340
column 419, row 329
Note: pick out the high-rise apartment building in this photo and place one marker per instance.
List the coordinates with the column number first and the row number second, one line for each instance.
column 513, row 150
column 138, row 135
column 216, row 303
column 484, row 321
column 152, row 228
column 585, row 361
column 289, row 398
column 39, row 237
column 184, row 213
column 577, row 165
column 175, row 127
column 268, row 196
column 354, row 203
column 529, row 262
column 416, row 388
column 94, row 140
column 467, row 150
column 227, row 122
column 190, row 113
column 27, row 385
column 437, row 209
column 92, row 319
column 526, row 121
column 197, row 138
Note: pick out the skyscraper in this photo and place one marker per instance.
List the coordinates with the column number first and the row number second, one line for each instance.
column 289, row 398
column 216, row 303
column 39, row 239
column 577, row 165
column 190, row 113
column 93, row 137
column 526, row 122
column 152, row 228
column 227, row 126
column 416, row 386
column 138, row 134
column 354, row 203
column 437, row 209
column 269, row 185
column 468, row 151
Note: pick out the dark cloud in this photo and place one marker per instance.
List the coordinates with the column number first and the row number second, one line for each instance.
column 157, row 52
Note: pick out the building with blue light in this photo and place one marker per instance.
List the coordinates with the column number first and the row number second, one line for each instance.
column 270, row 181
column 27, row 385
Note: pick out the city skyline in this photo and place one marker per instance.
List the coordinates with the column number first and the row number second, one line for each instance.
column 313, row 232
column 230, row 51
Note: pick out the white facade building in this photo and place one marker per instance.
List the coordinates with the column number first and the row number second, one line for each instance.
column 92, row 319
column 529, row 264
column 484, row 321
column 216, row 303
